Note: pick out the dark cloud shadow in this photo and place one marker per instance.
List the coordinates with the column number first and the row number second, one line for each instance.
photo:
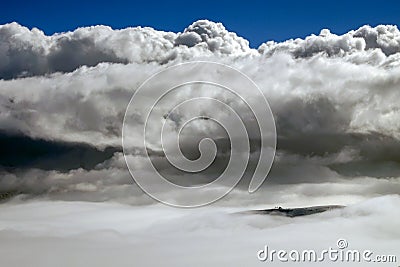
column 23, row 152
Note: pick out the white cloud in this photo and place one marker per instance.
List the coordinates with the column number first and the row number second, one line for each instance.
column 99, row 234
column 25, row 52
column 383, row 38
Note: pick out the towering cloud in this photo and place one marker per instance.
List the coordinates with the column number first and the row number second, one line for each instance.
column 25, row 52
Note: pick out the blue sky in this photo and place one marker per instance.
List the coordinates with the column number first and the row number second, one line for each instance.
column 257, row 21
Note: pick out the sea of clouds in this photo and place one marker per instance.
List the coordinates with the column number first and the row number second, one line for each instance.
column 336, row 104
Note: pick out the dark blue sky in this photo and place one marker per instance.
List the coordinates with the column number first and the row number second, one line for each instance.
column 257, row 21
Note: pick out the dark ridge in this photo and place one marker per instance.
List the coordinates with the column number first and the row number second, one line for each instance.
column 5, row 196
column 293, row 212
column 23, row 152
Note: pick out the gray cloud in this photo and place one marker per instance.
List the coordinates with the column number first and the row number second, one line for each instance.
column 335, row 100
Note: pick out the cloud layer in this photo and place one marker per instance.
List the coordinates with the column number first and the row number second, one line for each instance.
column 100, row 234
column 25, row 52
column 335, row 100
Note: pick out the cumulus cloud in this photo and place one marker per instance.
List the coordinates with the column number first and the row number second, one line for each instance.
column 25, row 52
column 381, row 39
column 335, row 100
column 214, row 36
